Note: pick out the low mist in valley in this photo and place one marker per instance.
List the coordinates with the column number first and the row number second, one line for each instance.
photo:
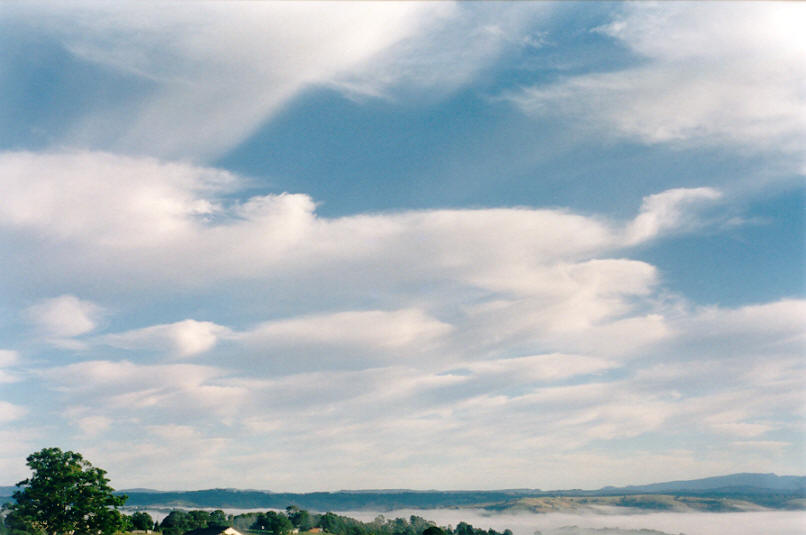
column 607, row 522
column 751, row 523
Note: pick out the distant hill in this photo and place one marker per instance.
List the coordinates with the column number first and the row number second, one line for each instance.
column 723, row 493
column 727, row 493
column 318, row 501
column 762, row 482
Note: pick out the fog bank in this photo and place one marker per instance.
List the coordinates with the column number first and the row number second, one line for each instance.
column 619, row 521
column 750, row 523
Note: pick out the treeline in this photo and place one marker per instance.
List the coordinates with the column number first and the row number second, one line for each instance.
column 294, row 519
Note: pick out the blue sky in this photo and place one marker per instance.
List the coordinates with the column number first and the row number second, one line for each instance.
column 302, row 246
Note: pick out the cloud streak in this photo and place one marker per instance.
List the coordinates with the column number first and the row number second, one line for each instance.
column 704, row 75
column 241, row 66
column 182, row 339
column 558, row 407
column 121, row 214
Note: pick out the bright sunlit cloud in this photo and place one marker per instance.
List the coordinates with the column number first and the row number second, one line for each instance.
column 704, row 75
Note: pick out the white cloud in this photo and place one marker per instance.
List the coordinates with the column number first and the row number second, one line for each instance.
column 191, row 391
column 376, row 334
column 767, row 446
column 448, row 50
column 93, row 425
column 12, row 452
column 504, row 281
column 107, row 217
column 776, row 328
column 709, row 74
column 481, row 288
column 371, row 330
column 495, row 313
column 7, row 377
column 542, row 406
column 8, row 357
column 238, row 65
column 241, row 65
column 183, row 339
column 549, row 367
column 113, row 202
column 667, row 210
column 345, row 413
column 64, row 316
column 172, row 432
column 10, row 412
column 120, row 377
column 732, row 373
column 595, row 308
column 733, row 422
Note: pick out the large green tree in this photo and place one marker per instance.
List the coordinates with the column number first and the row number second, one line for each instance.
column 66, row 495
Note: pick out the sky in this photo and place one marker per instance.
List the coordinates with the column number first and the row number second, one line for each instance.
column 319, row 246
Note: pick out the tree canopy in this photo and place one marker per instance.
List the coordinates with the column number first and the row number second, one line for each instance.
column 179, row 522
column 65, row 495
column 276, row 523
column 141, row 520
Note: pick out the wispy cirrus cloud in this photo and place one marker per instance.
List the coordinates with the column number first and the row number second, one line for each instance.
column 243, row 65
column 702, row 75
column 239, row 65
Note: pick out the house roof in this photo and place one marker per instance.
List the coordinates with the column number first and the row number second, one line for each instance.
column 214, row 531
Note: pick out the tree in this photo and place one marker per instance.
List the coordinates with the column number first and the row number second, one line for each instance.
column 66, row 495
column 276, row 523
column 142, row 521
column 199, row 519
column 300, row 518
column 331, row 523
column 175, row 523
column 218, row 519
column 463, row 528
column 13, row 525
